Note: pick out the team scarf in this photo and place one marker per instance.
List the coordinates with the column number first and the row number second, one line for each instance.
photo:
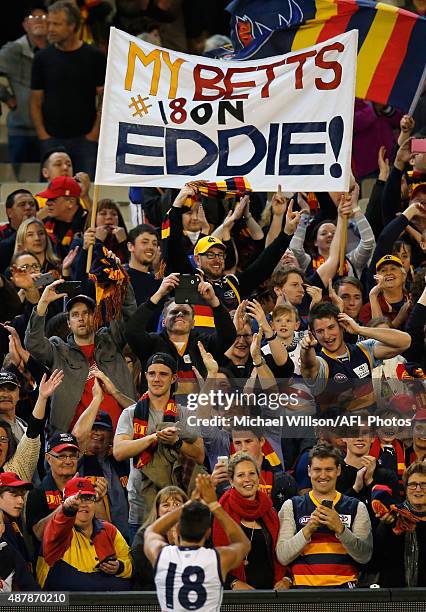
column 258, row 509
column 320, row 259
column 111, row 280
column 376, row 450
column 140, row 427
column 229, row 188
column 50, row 225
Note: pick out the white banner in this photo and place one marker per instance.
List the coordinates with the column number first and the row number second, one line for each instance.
column 169, row 118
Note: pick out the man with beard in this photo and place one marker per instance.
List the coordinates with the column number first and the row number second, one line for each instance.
column 209, row 255
column 85, row 351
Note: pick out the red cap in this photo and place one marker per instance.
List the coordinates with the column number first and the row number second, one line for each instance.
column 79, row 485
column 420, row 415
column 61, row 186
column 10, row 479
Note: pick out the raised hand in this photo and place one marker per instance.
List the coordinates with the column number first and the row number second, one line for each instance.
column 69, row 259
column 255, row 310
column 383, row 164
column 335, row 299
column 308, row 341
column 168, row 284
column 185, row 193
column 279, row 203
column 292, row 219
column 49, row 294
column 378, row 287
column 403, row 154
column 256, row 343
column 17, row 352
column 303, row 203
column 315, row 293
column 22, row 278
column 104, row 382
column 206, row 291
column 97, row 392
column 89, row 238
column 209, row 361
column 240, row 317
column 120, row 234
column 407, row 124
column 48, row 386
column 206, row 489
column 73, row 502
column 347, row 323
column 83, row 180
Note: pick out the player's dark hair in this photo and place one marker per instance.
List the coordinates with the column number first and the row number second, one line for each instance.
column 143, row 228
column 325, row 451
column 194, row 522
column 323, row 310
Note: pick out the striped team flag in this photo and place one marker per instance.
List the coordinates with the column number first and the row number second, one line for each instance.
column 391, row 41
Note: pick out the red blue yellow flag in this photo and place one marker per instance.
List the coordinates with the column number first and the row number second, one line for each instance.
column 391, row 40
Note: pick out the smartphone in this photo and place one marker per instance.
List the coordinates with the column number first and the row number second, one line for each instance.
column 71, row 288
column 187, row 290
column 418, row 145
column 109, row 558
column 327, row 503
column 223, row 460
column 44, row 279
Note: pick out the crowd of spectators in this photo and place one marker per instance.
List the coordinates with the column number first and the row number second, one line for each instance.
column 104, row 421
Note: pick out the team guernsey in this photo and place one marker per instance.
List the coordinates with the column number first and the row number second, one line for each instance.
column 349, row 384
column 189, row 578
column 324, row 561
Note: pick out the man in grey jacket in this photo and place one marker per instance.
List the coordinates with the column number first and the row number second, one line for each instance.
column 16, row 58
column 85, row 351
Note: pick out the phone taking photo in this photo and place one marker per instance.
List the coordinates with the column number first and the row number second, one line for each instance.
column 71, row 288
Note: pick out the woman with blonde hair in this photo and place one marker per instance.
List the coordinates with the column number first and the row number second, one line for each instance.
column 32, row 236
column 166, row 500
column 252, row 509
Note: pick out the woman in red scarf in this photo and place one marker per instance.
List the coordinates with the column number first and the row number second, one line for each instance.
column 253, row 510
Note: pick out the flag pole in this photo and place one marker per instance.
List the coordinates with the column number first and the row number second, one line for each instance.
column 92, row 226
column 418, row 92
column 343, row 241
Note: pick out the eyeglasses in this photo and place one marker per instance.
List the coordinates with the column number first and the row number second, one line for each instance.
column 63, row 458
column 211, row 256
column 36, row 16
column 26, row 267
column 245, row 336
column 412, row 486
column 4, row 439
